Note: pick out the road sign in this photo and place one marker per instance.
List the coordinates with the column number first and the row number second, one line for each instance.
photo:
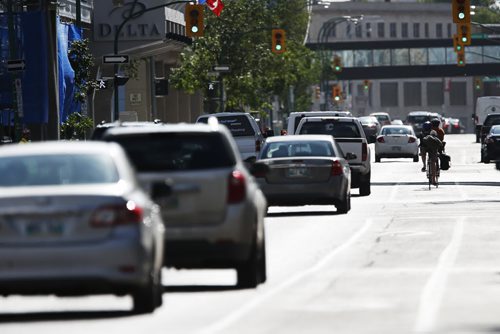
column 15, row 65
column 116, row 59
column 220, row 68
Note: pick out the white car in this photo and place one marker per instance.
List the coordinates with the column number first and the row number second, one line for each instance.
column 396, row 141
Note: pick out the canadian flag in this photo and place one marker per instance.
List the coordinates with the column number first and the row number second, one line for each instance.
column 215, row 6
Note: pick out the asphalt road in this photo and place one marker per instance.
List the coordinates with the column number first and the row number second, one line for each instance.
column 403, row 260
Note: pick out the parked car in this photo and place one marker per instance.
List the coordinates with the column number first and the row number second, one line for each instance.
column 349, row 134
column 74, row 221
column 417, row 118
column 305, row 169
column 101, row 128
column 455, row 126
column 295, row 117
column 215, row 215
column 245, row 130
column 396, row 141
column 489, row 121
column 371, row 127
column 490, row 149
column 382, row 117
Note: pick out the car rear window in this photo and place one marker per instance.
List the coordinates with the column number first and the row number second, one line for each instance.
column 418, row 119
column 333, row 128
column 60, row 169
column 298, row 149
column 396, row 131
column 239, row 125
column 176, row 151
column 492, row 120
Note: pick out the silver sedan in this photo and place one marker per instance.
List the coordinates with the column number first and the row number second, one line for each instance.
column 74, row 221
column 304, row 169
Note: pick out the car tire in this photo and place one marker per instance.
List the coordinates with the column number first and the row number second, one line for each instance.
column 364, row 186
column 147, row 298
column 377, row 158
column 415, row 158
column 252, row 272
column 344, row 206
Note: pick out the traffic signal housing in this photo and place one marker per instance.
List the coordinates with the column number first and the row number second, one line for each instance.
column 457, row 43
column 337, row 64
column 461, row 11
column 461, row 58
column 337, row 93
column 278, row 41
column 464, row 33
column 194, row 20
column 478, row 84
column 366, row 85
column 317, row 91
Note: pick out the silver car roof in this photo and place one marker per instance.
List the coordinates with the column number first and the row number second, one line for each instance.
column 47, row 147
column 299, row 138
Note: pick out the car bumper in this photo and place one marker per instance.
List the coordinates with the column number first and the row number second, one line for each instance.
column 396, row 151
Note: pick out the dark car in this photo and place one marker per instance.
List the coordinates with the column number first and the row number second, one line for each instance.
column 489, row 121
column 417, row 118
column 101, row 129
column 455, row 126
column 490, row 149
column 371, row 127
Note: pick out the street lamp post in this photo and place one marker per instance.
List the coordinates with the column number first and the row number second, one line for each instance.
column 133, row 15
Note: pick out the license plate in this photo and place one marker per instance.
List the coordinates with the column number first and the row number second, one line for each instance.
column 298, row 172
column 396, row 148
column 37, row 228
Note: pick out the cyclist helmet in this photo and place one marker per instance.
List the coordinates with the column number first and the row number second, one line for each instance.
column 427, row 126
column 435, row 122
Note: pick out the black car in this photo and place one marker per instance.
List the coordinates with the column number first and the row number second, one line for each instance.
column 490, row 149
column 489, row 121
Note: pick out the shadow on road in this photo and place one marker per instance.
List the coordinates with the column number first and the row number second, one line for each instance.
column 199, row 288
column 62, row 316
column 302, row 214
column 422, row 183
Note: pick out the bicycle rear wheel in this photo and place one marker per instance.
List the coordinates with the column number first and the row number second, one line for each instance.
column 429, row 176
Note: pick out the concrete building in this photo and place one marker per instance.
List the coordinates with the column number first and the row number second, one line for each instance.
column 153, row 40
column 450, row 96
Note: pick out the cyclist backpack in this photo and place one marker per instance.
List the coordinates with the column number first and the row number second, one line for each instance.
column 432, row 143
column 444, row 160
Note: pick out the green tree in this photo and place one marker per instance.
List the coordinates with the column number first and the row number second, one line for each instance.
column 241, row 39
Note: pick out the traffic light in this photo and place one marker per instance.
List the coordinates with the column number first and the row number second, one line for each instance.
column 457, row 43
column 461, row 11
column 337, row 64
column 478, row 83
column 194, row 20
column 366, row 85
column 464, row 33
column 461, row 58
column 317, row 92
column 278, row 41
column 337, row 93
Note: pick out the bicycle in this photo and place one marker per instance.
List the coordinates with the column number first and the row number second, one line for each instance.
column 435, row 161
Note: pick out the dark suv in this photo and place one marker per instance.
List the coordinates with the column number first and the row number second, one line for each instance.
column 489, row 121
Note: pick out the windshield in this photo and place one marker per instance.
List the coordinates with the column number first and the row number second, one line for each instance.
column 396, row 131
column 298, row 149
column 418, row 119
column 333, row 128
column 239, row 125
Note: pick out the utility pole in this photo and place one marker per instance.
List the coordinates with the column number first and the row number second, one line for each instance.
column 16, row 136
column 53, row 127
column 79, row 13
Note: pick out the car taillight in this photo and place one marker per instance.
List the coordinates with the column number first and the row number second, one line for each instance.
column 257, row 146
column 456, row 126
column 412, row 139
column 380, row 139
column 236, row 187
column 364, row 152
column 337, row 168
column 120, row 214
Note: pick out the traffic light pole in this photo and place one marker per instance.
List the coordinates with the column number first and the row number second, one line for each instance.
column 132, row 15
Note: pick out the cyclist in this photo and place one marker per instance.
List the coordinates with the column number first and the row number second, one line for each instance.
column 435, row 122
column 426, row 130
column 433, row 146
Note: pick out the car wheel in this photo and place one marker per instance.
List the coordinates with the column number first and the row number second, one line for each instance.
column 415, row 158
column 345, row 205
column 364, row 187
column 252, row 272
column 377, row 158
column 147, row 298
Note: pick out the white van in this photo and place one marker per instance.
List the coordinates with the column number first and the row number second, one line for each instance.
column 295, row 117
column 485, row 105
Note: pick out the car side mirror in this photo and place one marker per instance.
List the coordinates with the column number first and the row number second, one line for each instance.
column 259, row 169
column 350, row 156
column 161, row 189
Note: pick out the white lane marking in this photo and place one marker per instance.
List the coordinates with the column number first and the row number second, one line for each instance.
column 245, row 308
column 432, row 295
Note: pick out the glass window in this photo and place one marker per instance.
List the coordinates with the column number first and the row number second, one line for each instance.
column 473, row 55
column 404, row 130
column 491, row 54
column 404, row 30
column 437, row 56
column 368, row 26
column 176, row 151
column 426, row 30
column 412, row 94
column 389, row 94
column 334, row 128
column 239, row 125
column 448, row 27
column 358, row 31
column 363, row 58
column 416, row 30
column 298, row 149
column 435, row 96
column 400, row 57
column 393, row 31
column 458, row 93
column 418, row 56
column 439, row 30
column 57, row 169
column 381, row 57
column 381, row 29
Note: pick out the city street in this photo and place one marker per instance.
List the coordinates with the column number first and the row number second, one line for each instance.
column 403, row 260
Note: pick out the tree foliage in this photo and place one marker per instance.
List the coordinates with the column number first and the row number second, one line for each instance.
column 82, row 61
column 241, row 39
